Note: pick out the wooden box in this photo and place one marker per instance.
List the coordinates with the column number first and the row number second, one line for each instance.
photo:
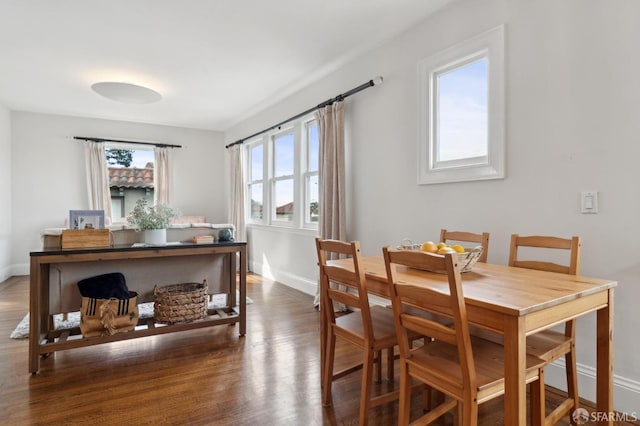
column 84, row 238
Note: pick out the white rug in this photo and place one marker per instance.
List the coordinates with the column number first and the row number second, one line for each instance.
column 73, row 318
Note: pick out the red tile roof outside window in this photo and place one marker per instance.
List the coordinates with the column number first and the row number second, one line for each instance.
column 130, row 177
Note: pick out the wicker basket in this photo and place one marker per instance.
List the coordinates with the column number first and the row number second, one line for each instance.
column 180, row 302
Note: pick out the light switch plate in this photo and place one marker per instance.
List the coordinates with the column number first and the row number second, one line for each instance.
column 589, row 202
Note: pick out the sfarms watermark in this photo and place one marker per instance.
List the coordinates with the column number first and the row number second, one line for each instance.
column 582, row 417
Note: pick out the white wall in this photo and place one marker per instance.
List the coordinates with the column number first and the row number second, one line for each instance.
column 48, row 172
column 5, row 193
column 573, row 96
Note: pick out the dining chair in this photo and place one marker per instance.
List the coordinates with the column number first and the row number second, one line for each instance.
column 550, row 344
column 467, row 369
column 371, row 328
column 468, row 237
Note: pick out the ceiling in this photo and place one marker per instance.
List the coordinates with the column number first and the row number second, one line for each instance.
column 215, row 62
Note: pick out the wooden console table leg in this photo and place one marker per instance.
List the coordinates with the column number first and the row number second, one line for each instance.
column 243, row 290
column 38, row 310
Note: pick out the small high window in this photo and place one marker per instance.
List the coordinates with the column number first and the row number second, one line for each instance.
column 462, row 111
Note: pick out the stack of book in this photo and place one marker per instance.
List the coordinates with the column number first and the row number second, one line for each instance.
column 203, row 239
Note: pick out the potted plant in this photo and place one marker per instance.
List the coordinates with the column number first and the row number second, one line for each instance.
column 152, row 220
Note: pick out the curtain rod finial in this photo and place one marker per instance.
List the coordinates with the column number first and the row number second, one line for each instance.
column 377, row 80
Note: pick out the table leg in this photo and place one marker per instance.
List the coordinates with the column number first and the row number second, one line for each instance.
column 243, row 289
column 604, row 360
column 231, row 295
column 515, row 395
column 323, row 339
column 36, row 295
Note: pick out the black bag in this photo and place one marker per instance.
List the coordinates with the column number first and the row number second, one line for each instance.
column 107, row 286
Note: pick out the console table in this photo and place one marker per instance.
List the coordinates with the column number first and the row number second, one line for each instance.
column 149, row 266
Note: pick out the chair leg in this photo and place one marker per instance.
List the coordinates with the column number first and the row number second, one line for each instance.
column 469, row 412
column 378, row 362
column 390, row 364
column 367, row 375
column 536, row 390
column 572, row 377
column 404, row 403
column 328, row 369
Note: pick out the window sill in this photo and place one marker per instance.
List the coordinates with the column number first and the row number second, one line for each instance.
column 283, row 229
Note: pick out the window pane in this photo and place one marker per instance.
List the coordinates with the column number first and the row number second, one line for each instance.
column 462, row 112
column 283, row 155
column 256, row 201
column 256, row 163
column 283, row 196
column 313, row 146
column 312, row 199
column 130, row 179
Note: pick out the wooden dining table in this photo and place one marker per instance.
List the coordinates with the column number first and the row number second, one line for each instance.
column 516, row 302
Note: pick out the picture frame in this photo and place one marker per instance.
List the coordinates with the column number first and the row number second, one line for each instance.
column 86, row 219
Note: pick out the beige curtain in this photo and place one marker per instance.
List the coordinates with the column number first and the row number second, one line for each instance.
column 161, row 175
column 236, row 211
column 332, row 175
column 98, row 178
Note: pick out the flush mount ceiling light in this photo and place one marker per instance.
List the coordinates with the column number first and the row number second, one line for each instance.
column 126, row 93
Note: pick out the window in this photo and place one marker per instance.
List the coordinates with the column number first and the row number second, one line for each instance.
column 311, row 188
column 256, row 166
column 462, row 112
column 130, row 177
column 282, row 181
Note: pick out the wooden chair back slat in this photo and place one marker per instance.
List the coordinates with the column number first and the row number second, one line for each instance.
column 342, row 276
column 343, row 297
column 572, row 244
column 426, row 327
column 471, row 237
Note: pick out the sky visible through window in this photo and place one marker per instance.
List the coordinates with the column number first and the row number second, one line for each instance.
column 139, row 158
column 462, row 113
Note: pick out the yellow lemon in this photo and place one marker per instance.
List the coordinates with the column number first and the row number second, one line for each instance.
column 445, row 250
column 429, row 246
column 441, row 244
column 458, row 248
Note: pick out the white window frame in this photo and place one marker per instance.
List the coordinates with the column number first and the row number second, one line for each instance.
column 307, row 175
column 273, row 180
column 488, row 45
column 262, row 181
column 300, row 178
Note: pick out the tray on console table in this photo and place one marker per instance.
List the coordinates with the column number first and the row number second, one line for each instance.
column 166, row 262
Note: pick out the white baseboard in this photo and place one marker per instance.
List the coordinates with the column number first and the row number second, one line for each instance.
column 626, row 392
column 5, row 273
column 294, row 281
column 13, row 271
column 20, row 269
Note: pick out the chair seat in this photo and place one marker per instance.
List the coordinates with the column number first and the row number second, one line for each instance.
column 548, row 345
column 440, row 362
column 384, row 328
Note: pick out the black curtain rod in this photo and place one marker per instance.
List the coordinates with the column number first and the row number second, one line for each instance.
column 159, row 145
column 376, row 81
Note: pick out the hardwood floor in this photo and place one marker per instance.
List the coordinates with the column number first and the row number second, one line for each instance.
column 200, row 377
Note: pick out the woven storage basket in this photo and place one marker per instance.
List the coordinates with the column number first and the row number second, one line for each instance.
column 105, row 317
column 180, row 302
column 465, row 261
